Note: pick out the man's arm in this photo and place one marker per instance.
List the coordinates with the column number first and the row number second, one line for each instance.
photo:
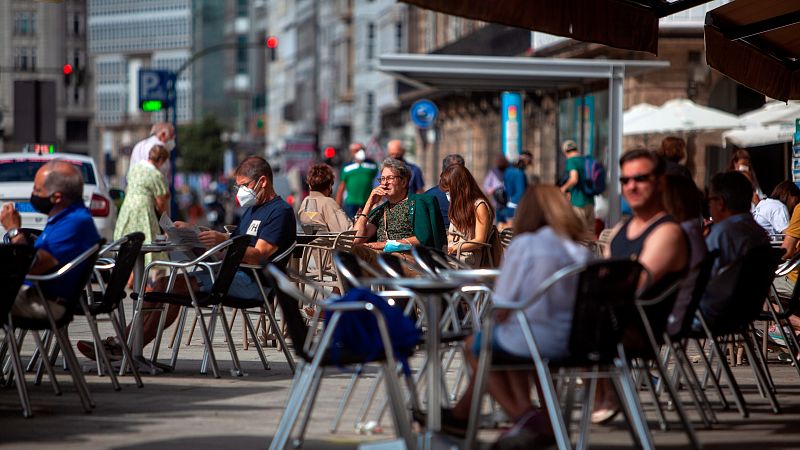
column 260, row 253
column 664, row 251
column 571, row 181
column 340, row 193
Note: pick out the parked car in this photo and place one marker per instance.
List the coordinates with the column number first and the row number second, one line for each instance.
column 17, row 171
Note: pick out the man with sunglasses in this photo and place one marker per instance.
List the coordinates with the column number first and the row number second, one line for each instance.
column 651, row 235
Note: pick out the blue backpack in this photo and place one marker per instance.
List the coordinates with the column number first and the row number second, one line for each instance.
column 357, row 332
column 593, row 181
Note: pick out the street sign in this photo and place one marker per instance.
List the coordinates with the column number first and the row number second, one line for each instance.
column 154, row 89
column 423, row 113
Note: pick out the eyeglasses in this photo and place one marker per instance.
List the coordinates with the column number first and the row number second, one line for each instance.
column 388, row 178
column 636, row 178
column 236, row 187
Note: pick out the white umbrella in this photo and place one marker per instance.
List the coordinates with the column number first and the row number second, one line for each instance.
column 772, row 113
column 681, row 115
column 756, row 135
column 637, row 112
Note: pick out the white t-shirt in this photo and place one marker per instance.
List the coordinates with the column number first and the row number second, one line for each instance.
column 772, row 215
column 141, row 152
column 529, row 260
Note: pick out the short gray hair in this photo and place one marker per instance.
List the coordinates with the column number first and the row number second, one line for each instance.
column 64, row 177
column 452, row 159
column 398, row 167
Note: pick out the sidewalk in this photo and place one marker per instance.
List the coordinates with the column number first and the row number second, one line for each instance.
column 188, row 410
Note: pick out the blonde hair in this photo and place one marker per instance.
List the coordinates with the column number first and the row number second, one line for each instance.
column 545, row 205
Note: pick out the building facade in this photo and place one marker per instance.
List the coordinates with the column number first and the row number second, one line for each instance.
column 124, row 37
column 37, row 39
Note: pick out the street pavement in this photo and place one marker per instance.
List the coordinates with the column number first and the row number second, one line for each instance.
column 185, row 409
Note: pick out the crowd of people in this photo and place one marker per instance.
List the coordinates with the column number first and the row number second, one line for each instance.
column 390, row 211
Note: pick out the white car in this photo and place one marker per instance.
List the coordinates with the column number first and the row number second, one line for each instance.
column 17, row 171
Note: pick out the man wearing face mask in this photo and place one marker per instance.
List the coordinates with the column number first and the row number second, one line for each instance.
column 161, row 133
column 70, row 231
column 356, row 178
column 267, row 219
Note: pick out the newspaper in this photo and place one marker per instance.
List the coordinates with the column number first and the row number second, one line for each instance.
column 186, row 236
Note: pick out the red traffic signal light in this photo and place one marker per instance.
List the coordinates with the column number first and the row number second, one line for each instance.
column 272, row 42
column 330, row 152
column 67, row 69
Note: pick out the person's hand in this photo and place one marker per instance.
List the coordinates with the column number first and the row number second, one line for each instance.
column 9, row 217
column 375, row 245
column 452, row 249
column 374, row 197
column 501, row 315
column 211, row 238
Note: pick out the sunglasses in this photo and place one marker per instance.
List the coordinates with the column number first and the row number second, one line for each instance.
column 636, row 178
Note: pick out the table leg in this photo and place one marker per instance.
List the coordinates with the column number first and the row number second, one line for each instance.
column 137, row 346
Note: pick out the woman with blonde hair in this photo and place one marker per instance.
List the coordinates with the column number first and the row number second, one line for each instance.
column 471, row 216
column 547, row 236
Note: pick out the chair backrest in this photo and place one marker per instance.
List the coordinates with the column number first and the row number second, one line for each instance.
column 230, row 263
column 428, row 260
column 391, row 264
column 737, row 292
column 15, row 261
column 84, row 265
column 282, row 259
column 680, row 320
column 349, row 269
column 605, row 313
column 505, row 237
column 127, row 253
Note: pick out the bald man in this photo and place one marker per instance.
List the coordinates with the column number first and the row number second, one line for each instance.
column 161, row 133
column 70, row 231
column 396, row 150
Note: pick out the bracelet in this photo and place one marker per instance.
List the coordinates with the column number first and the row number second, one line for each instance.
column 360, row 215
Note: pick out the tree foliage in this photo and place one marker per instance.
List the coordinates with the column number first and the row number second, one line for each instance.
column 200, row 146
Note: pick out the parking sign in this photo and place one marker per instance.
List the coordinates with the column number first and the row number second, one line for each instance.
column 154, row 89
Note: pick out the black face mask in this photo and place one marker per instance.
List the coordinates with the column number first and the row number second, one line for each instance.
column 41, row 204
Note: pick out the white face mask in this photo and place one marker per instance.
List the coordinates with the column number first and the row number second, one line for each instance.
column 246, row 196
column 361, row 155
column 170, row 144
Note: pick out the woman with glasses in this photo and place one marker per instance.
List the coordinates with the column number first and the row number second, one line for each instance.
column 392, row 214
column 470, row 215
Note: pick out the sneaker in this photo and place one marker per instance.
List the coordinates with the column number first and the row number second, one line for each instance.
column 775, row 336
column 110, row 345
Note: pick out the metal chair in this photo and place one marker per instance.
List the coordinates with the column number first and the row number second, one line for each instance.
column 313, row 347
column 15, row 261
column 107, row 301
column 234, row 252
column 83, row 265
column 604, row 304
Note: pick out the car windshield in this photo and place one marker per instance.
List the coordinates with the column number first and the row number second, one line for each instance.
column 23, row 170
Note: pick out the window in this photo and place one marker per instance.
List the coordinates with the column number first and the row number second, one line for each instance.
column 241, row 54
column 369, row 112
column 398, row 31
column 370, row 40
column 76, row 24
column 33, row 59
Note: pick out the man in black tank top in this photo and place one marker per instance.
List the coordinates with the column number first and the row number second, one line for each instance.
column 651, row 235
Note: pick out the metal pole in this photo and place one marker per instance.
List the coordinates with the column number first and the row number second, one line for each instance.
column 173, row 155
column 615, row 93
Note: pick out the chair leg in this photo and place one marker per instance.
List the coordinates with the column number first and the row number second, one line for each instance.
column 586, row 413
column 301, row 384
column 673, row 394
column 632, row 405
column 348, row 393
column 248, row 326
column 207, row 340
column 212, row 328
column 19, row 379
column 761, row 377
column 728, row 374
column 75, row 370
column 48, row 365
column 709, row 373
column 312, row 398
column 191, row 331
column 695, row 389
column 126, row 352
column 367, row 404
column 237, row 366
column 101, row 351
column 162, row 320
column 399, row 411
column 173, row 360
column 648, row 383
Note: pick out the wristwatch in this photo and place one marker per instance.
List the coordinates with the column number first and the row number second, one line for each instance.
column 12, row 233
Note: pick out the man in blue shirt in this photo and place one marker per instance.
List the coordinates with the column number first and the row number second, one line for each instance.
column 442, row 197
column 734, row 232
column 514, row 183
column 395, row 150
column 70, row 231
column 267, row 219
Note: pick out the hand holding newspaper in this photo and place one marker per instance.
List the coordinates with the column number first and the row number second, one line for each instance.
column 183, row 236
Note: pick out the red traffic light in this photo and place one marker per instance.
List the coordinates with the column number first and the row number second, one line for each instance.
column 67, row 69
column 272, row 42
column 330, row 152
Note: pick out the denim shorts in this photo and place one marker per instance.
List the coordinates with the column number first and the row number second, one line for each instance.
column 497, row 351
column 242, row 286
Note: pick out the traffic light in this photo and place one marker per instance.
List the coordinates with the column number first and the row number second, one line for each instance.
column 67, row 70
column 330, row 152
column 272, row 45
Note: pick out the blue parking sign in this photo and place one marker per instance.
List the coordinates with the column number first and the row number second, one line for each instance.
column 154, row 86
